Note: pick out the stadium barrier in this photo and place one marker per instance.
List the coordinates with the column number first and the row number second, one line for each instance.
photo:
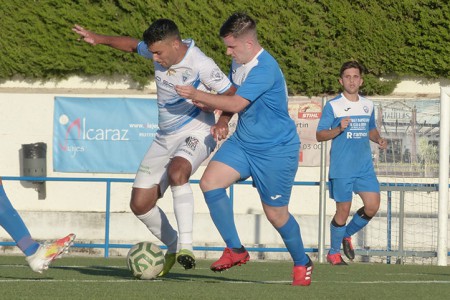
column 387, row 252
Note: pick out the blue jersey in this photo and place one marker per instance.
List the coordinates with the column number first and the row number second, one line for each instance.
column 265, row 123
column 350, row 154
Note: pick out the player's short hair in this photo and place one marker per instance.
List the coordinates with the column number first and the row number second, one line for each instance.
column 160, row 30
column 349, row 65
column 238, row 24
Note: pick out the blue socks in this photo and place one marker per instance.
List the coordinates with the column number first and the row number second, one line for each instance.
column 356, row 224
column 221, row 211
column 290, row 233
column 11, row 221
column 337, row 235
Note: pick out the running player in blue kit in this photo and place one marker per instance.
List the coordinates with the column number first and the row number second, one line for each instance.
column 186, row 134
column 349, row 121
column 39, row 256
column 264, row 146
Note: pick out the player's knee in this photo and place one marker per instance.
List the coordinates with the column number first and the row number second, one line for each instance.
column 206, row 182
column 140, row 207
column 142, row 202
column 371, row 210
column 177, row 178
column 367, row 212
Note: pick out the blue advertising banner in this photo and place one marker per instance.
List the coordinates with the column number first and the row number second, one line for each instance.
column 105, row 135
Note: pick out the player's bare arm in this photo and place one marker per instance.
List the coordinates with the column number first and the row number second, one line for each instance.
column 328, row 134
column 375, row 137
column 123, row 43
column 229, row 103
column 220, row 130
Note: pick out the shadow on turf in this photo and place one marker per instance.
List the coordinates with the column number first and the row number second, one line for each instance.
column 209, row 278
column 122, row 273
column 100, row 271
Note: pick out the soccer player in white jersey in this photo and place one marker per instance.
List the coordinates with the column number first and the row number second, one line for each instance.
column 349, row 121
column 264, row 146
column 186, row 135
column 39, row 256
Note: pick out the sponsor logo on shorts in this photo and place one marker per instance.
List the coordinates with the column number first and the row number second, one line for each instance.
column 192, row 142
column 275, row 197
column 144, row 169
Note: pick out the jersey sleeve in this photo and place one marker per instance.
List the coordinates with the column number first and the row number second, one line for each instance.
column 142, row 50
column 327, row 118
column 258, row 81
column 212, row 77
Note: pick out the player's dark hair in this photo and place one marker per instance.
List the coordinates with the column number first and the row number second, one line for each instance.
column 160, row 30
column 351, row 64
column 237, row 24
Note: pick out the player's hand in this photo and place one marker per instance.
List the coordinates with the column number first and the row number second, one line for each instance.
column 86, row 35
column 344, row 123
column 382, row 143
column 219, row 131
column 187, row 91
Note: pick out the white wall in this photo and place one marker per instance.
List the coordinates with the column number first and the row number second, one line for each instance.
column 26, row 111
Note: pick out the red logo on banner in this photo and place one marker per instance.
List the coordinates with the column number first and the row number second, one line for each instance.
column 310, row 111
column 309, row 115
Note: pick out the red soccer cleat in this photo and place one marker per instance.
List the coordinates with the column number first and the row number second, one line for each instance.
column 302, row 274
column 336, row 259
column 230, row 259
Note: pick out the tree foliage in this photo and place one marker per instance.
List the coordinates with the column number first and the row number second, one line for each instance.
column 309, row 38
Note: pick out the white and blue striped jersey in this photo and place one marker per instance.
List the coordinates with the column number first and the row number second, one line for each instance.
column 350, row 153
column 195, row 69
column 265, row 123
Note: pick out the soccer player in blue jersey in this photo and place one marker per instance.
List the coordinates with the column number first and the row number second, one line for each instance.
column 39, row 256
column 349, row 121
column 186, row 134
column 264, row 146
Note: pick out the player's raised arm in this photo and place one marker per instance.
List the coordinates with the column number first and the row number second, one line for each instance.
column 123, row 43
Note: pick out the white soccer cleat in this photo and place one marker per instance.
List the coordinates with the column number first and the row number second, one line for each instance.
column 47, row 253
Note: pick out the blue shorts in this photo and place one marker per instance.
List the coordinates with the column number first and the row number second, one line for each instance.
column 342, row 189
column 273, row 176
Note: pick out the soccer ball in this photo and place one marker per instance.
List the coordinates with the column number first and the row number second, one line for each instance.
column 145, row 260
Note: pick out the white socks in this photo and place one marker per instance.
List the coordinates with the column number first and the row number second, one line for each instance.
column 183, row 206
column 158, row 224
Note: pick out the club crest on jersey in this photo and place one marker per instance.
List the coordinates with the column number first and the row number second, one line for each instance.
column 366, row 109
column 186, row 75
column 216, row 74
column 170, row 72
column 192, row 142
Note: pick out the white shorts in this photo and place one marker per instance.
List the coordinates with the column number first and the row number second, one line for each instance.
column 195, row 146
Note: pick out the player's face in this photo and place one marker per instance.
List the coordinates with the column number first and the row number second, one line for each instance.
column 165, row 52
column 351, row 80
column 238, row 49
